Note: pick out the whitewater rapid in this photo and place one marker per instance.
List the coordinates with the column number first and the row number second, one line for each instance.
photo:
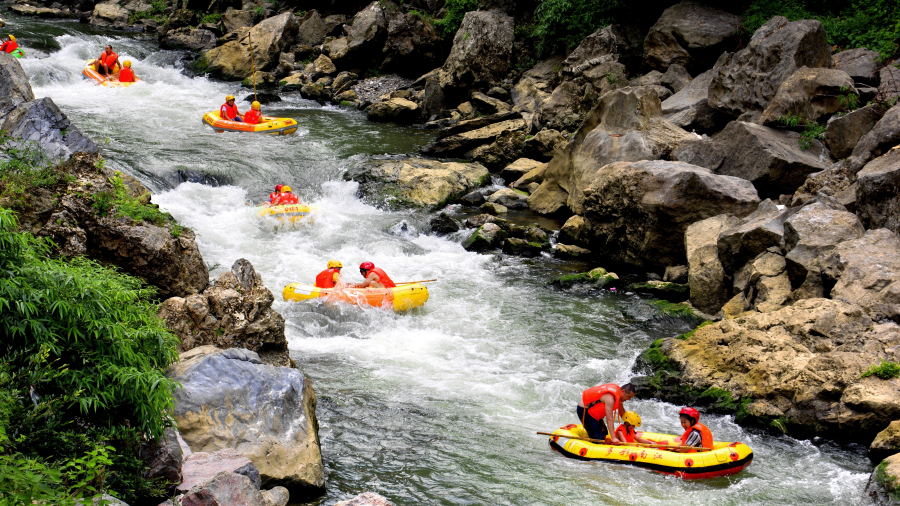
column 439, row 405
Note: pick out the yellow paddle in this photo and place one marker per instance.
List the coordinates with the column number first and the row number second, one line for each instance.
column 643, row 445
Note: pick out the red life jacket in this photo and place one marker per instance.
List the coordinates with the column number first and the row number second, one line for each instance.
column 228, row 112
column 288, row 198
column 706, row 437
column 273, row 196
column 629, row 433
column 126, row 75
column 383, row 278
column 325, row 279
column 109, row 59
column 591, row 399
column 252, row 116
column 9, row 46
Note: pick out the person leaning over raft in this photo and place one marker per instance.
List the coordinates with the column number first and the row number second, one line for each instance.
column 330, row 277
column 229, row 111
column 626, row 432
column 126, row 75
column 603, row 401
column 253, row 116
column 10, row 44
column 375, row 277
column 107, row 61
column 695, row 433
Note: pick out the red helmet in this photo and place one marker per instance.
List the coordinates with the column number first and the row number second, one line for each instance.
column 691, row 412
column 366, row 266
column 278, row 187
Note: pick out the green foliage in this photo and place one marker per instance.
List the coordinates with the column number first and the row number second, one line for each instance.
column 687, row 335
column 812, row 130
column 874, row 24
column 258, row 10
column 456, row 10
column 156, row 13
column 848, row 100
column 119, row 201
column 676, row 309
column 82, row 364
column 374, row 72
column 26, row 168
column 565, row 23
column 211, row 18
column 885, row 370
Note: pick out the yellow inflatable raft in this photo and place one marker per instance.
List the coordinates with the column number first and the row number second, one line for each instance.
column 725, row 459
column 289, row 215
column 399, row 298
column 90, row 71
column 266, row 125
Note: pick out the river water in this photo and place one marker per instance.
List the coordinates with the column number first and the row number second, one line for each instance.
column 439, row 405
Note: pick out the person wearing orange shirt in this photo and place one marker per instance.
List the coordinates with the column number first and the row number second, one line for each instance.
column 253, row 115
column 126, row 75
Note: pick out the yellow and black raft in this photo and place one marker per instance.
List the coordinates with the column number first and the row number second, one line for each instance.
column 266, row 125
column 286, row 216
column 725, row 459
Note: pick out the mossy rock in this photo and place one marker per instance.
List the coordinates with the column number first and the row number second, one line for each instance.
column 673, row 292
column 522, row 247
column 598, row 277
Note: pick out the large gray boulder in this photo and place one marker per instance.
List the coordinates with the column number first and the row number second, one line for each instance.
column 233, row 19
column 878, row 192
column 40, row 124
column 481, row 49
column 707, row 278
column 689, row 107
column 201, row 467
column 866, row 271
column 637, row 213
column 756, row 233
column 192, row 39
column 609, row 40
column 691, row 34
column 13, row 81
column 883, row 136
column 889, row 84
column 271, row 37
column 416, row 182
column 771, row 159
column 230, row 399
column 810, row 94
column 367, row 33
column 412, row 46
column 750, row 78
column 109, row 15
column 860, row 63
column 566, row 108
column 461, row 143
column 843, row 133
column 232, row 488
column 311, row 31
column 626, row 125
column 234, row 311
column 813, row 231
column 396, row 110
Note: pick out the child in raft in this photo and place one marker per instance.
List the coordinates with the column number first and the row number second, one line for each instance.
column 626, row 432
column 695, row 433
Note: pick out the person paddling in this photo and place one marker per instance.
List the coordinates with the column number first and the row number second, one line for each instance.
column 107, row 61
column 10, row 44
column 229, row 111
column 375, row 277
column 253, row 116
column 627, row 433
column 330, row 277
column 599, row 404
column 126, row 75
column 695, row 433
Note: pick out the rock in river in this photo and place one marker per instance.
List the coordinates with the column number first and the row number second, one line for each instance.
column 416, row 182
column 230, row 399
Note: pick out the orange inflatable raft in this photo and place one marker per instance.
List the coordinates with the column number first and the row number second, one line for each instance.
column 266, row 125
column 399, row 298
column 90, row 71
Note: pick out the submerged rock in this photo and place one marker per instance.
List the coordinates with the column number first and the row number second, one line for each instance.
column 415, row 182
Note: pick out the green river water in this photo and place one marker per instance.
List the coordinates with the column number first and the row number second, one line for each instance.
column 439, row 405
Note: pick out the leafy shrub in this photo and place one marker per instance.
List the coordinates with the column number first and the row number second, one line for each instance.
column 811, row 131
column 82, row 365
column 211, row 18
column 156, row 13
column 121, row 202
column 26, row 167
column 885, row 370
column 456, row 10
column 565, row 23
column 874, row 24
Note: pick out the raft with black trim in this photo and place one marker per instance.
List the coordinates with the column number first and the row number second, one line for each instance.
column 90, row 72
column 266, row 125
column 399, row 298
column 726, row 458
column 287, row 215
